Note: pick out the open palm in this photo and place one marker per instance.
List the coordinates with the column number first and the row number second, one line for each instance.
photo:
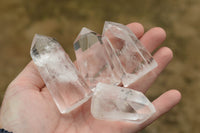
column 29, row 108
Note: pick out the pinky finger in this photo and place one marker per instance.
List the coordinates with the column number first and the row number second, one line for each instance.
column 163, row 104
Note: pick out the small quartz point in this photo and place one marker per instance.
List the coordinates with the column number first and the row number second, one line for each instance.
column 117, row 103
column 134, row 59
column 93, row 60
column 64, row 82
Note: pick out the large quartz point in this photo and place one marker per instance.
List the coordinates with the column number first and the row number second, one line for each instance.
column 134, row 59
column 117, row 103
column 93, row 61
column 64, row 82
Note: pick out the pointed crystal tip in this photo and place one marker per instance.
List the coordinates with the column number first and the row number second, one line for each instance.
column 43, row 44
column 118, row 103
column 83, row 31
column 108, row 25
column 85, row 39
column 37, row 38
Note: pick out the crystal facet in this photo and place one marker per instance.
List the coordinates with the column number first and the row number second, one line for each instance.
column 117, row 103
column 93, row 59
column 135, row 60
column 64, row 82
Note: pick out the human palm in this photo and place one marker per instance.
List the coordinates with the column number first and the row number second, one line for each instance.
column 29, row 108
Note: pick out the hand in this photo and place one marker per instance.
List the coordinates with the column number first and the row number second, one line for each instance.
column 28, row 107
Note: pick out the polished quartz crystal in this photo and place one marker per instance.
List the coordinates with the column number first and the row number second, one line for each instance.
column 64, row 82
column 117, row 103
column 134, row 59
column 93, row 61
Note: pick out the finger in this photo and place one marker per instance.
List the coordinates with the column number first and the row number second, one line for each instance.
column 29, row 78
column 163, row 104
column 136, row 28
column 153, row 38
column 163, row 56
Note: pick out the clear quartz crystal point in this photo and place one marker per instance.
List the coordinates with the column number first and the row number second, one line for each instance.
column 64, row 82
column 134, row 59
column 117, row 103
column 93, row 60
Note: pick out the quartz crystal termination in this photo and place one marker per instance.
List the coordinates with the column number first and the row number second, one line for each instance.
column 64, row 82
column 134, row 59
column 117, row 103
column 93, row 59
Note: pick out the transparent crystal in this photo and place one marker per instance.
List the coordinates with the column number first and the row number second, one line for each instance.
column 117, row 103
column 64, row 82
column 93, row 60
column 135, row 60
